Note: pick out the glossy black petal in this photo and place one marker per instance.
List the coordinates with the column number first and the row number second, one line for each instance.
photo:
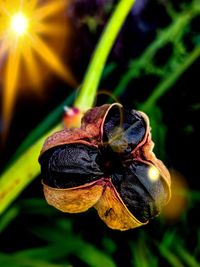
column 134, row 127
column 70, row 166
column 141, row 195
column 112, row 121
column 123, row 129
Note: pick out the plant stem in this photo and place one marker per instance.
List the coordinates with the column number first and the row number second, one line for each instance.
column 171, row 34
column 21, row 173
column 168, row 82
column 87, row 93
column 26, row 167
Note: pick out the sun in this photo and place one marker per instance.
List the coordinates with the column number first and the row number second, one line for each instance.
column 25, row 29
column 19, row 24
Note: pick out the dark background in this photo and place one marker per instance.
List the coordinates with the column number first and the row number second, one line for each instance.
column 175, row 127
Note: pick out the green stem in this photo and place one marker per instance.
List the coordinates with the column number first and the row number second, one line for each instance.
column 87, row 93
column 167, row 83
column 21, row 173
column 170, row 34
column 26, row 167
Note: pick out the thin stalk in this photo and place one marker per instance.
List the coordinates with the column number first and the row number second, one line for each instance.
column 90, row 83
column 171, row 34
column 21, row 173
column 167, row 83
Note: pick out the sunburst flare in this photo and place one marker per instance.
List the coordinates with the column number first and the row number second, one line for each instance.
column 25, row 26
column 19, row 24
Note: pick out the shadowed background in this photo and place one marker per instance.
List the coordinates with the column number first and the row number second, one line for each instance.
column 154, row 67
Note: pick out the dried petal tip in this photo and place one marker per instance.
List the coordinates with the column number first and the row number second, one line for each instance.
column 107, row 163
column 72, row 117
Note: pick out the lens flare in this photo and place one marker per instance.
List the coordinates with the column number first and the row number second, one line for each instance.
column 19, row 24
column 30, row 33
column 178, row 203
column 153, row 174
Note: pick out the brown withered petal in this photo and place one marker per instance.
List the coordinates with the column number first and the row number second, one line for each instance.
column 74, row 200
column 108, row 163
column 113, row 211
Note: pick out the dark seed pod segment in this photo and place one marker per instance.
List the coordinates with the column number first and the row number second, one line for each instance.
column 108, row 163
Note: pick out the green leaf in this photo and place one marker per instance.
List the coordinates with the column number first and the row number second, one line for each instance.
column 63, row 238
column 170, row 256
column 186, row 256
column 141, row 257
column 8, row 217
column 10, row 260
column 94, row 257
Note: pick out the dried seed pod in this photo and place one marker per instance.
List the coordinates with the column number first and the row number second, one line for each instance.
column 108, row 163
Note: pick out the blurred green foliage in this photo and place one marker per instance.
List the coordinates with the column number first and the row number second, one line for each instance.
column 48, row 238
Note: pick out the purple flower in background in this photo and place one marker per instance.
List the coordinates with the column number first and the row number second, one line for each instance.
column 138, row 7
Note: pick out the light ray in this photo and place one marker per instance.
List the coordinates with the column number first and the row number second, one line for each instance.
column 49, row 10
column 50, row 58
column 50, row 29
column 23, row 25
column 31, row 67
column 33, row 4
column 3, row 47
column 10, row 84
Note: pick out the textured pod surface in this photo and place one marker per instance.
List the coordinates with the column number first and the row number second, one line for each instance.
column 74, row 200
column 108, row 163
